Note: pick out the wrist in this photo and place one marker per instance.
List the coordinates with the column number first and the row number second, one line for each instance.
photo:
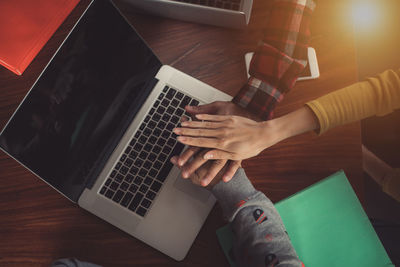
column 295, row 123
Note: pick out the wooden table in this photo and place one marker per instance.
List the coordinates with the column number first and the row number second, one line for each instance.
column 38, row 225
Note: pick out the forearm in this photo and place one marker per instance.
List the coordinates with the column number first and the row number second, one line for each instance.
column 297, row 122
column 260, row 236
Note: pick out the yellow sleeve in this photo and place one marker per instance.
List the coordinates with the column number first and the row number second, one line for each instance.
column 379, row 95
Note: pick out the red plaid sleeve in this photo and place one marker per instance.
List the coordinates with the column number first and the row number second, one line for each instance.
column 280, row 58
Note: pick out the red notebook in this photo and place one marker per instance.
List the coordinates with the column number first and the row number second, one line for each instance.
column 25, row 26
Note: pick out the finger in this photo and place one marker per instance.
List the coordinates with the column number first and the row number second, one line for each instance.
column 186, row 155
column 174, row 160
column 200, row 141
column 190, row 167
column 219, row 154
column 184, row 118
column 201, row 124
column 211, row 108
column 214, row 169
column 195, row 132
column 208, row 117
column 231, row 170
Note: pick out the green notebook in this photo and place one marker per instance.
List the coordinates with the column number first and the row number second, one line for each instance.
column 327, row 226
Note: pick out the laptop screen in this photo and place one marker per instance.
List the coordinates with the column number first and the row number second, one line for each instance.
column 80, row 105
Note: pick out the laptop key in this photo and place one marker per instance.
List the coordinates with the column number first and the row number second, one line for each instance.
column 119, row 178
column 165, row 134
column 160, row 110
column 152, row 140
column 147, row 132
column 143, row 155
column 162, row 157
column 165, row 89
column 147, row 118
column 151, row 195
column 129, row 178
column 156, row 104
column 166, row 150
column 165, row 102
column 135, row 202
column 174, row 103
column 113, row 173
column 109, row 193
column 143, row 172
column 185, row 102
column 156, row 186
column 157, row 165
column 171, row 142
column 156, row 149
column 147, row 164
column 152, row 111
column 108, row 182
column 194, row 102
column 133, row 154
column 153, row 173
column 124, row 170
column 156, row 117
column 138, row 147
column 114, row 186
column 148, row 147
column 137, row 134
column 161, row 96
column 146, row 203
column 103, row 190
column 161, row 142
column 138, row 163
column 141, row 211
column 124, row 186
column 118, row 196
column 133, row 171
column 143, row 139
column 152, row 124
column 133, row 188
column 166, row 118
column 127, row 198
column 179, row 112
column 138, row 180
column 143, row 188
column 148, row 181
column 170, row 110
column 156, row 132
column 179, row 95
column 152, row 157
column 128, row 162
column 174, row 120
column 118, row 166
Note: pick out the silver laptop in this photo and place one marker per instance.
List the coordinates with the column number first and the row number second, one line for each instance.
column 96, row 126
column 225, row 13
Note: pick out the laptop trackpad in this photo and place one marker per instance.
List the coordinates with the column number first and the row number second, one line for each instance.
column 197, row 192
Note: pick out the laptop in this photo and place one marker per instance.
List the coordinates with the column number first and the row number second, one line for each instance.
column 225, row 13
column 96, row 126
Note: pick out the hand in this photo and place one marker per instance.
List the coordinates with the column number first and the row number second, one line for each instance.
column 232, row 137
column 203, row 172
column 188, row 167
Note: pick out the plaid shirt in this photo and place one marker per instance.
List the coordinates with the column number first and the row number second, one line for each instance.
column 279, row 59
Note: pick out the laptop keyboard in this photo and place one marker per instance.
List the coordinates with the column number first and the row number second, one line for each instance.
column 142, row 169
column 225, row 4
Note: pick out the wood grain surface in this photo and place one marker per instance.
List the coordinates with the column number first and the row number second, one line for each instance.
column 38, row 225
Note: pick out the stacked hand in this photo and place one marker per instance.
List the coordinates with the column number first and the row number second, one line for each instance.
column 193, row 163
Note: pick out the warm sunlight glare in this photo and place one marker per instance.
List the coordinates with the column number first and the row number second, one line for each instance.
column 366, row 14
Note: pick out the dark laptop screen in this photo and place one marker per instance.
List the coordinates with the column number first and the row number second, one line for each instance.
column 84, row 100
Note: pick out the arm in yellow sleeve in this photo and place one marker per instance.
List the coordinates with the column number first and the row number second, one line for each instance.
column 379, row 95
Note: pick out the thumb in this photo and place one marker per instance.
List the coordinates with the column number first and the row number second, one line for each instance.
column 211, row 108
